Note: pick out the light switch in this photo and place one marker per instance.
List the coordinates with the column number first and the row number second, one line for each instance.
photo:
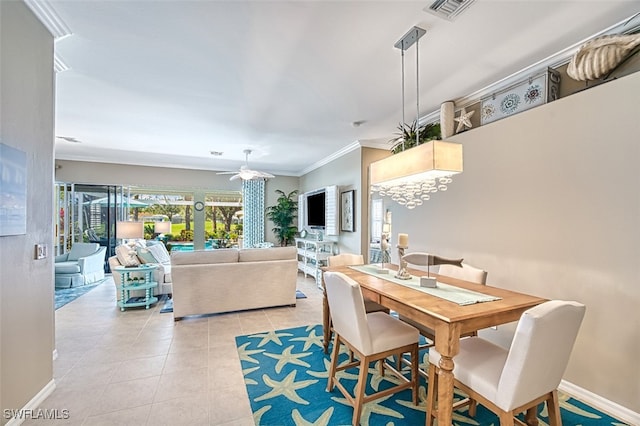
column 41, row 251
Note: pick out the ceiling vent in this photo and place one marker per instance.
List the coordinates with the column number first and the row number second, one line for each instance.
column 448, row 9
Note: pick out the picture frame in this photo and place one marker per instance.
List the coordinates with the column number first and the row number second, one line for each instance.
column 347, row 211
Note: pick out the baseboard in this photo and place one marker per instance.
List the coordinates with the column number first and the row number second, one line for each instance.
column 610, row 407
column 32, row 406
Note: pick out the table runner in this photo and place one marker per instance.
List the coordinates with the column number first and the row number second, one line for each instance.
column 444, row 291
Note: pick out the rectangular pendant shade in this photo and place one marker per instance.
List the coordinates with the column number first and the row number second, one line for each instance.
column 430, row 160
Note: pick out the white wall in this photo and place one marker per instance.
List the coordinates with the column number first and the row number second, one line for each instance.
column 26, row 284
column 549, row 204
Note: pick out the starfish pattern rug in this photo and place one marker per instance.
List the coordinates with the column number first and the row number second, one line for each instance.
column 286, row 372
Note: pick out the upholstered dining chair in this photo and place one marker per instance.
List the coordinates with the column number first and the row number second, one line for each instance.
column 348, row 259
column 466, row 273
column 372, row 337
column 509, row 382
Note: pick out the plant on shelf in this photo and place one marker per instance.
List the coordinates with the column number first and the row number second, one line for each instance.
column 282, row 215
column 409, row 134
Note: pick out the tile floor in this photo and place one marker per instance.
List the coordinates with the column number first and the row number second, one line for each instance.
column 139, row 367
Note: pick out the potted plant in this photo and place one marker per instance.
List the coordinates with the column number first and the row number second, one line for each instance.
column 409, row 134
column 282, row 215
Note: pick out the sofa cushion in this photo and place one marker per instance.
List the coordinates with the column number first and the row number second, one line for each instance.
column 67, row 267
column 160, row 253
column 145, row 255
column 79, row 250
column 199, row 257
column 126, row 256
column 275, row 253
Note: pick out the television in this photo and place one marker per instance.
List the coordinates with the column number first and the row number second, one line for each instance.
column 316, row 210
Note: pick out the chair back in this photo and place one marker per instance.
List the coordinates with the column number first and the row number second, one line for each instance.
column 539, row 352
column 345, row 259
column 79, row 250
column 466, row 273
column 347, row 310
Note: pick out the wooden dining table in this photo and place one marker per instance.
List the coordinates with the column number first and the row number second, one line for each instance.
column 449, row 320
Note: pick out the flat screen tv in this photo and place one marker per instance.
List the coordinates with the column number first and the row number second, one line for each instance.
column 315, row 210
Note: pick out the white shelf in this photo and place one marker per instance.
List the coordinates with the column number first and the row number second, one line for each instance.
column 312, row 255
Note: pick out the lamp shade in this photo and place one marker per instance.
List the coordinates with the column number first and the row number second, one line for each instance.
column 129, row 230
column 162, row 227
column 409, row 177
column 430, row 160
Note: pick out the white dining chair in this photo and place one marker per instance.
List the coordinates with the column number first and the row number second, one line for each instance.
column 371, row 337
column 511, row 381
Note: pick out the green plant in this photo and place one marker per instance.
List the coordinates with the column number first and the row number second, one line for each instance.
column 409, row 134
column 282, row 215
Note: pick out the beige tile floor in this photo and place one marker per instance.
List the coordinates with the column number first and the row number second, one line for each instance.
column 140, row 367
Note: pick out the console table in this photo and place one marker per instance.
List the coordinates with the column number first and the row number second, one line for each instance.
column 312, row 255
column 142, row 282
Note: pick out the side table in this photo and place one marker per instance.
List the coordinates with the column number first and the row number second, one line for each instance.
column 130, row 283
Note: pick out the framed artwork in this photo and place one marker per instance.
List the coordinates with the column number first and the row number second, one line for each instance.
column 13, row 181
column 347, row 199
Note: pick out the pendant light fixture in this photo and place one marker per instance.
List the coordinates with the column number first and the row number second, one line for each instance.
column 410, row 177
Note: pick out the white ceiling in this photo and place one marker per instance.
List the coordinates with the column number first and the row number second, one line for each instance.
column 165, row 82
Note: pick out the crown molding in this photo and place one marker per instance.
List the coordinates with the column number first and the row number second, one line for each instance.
column 45, row 12
column 59, row 65
column 347, row 149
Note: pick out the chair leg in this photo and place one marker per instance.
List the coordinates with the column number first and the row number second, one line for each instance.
column 359, row 391
column 506, row 419
column 432, row 388
column 553, row 407
column 531, row 416
column 334, row 362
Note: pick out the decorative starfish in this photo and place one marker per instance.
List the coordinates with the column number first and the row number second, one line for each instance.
column 323, row 420
column 287, row 388
column 245, row 354
column 372, row 407
column 311, row 339
column 464, row 120
column 271, row 336
column 286, row 357
column 246, row 372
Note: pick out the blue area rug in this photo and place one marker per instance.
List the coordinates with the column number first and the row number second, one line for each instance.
column 66, row 295
column 286, row 371
column 168, row 304
column 300, row 295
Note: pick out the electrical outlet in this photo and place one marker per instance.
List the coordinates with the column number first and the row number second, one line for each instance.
column 41, row 251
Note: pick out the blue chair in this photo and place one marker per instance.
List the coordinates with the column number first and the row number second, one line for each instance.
column 83, row 264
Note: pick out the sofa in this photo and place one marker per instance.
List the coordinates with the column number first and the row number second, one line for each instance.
column 83, row 264
column 143, row 252
column 227, row 280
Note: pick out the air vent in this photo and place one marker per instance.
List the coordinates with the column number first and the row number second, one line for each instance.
column 448, row 9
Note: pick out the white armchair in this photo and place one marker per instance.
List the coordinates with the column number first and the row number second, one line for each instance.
column 83, row 264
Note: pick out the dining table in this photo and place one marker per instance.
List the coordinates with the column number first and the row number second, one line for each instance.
column 449, row 319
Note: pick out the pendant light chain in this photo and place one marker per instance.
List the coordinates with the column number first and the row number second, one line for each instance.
column 402, row 55
column 417, row 90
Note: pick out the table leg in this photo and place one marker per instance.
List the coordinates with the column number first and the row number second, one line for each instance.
column 448, row 344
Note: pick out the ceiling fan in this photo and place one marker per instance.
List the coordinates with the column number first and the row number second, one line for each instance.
column 245, row 173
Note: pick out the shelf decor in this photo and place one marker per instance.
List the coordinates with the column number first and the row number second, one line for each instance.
column 537, row 90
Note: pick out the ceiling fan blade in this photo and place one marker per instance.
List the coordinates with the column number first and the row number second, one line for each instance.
column 234, row 177
column 225, row 173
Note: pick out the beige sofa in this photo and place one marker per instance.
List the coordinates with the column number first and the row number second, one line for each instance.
column 227, row 280
column 156, row 253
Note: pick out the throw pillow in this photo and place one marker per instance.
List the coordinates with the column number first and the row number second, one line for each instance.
column 145, row 255
column 159, row 251
column 126, row 256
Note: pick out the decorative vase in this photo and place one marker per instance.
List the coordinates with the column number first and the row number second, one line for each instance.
column 447, row 112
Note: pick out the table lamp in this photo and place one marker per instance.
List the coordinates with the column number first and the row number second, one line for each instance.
column 130, row 231
column 162, row 227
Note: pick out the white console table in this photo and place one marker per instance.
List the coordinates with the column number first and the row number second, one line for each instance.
column 312, row 255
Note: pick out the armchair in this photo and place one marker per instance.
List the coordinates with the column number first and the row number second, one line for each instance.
column 83, row 264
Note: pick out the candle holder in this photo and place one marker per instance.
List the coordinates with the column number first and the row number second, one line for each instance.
column 402, row 273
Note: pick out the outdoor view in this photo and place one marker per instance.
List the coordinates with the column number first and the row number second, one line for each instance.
column 89, row 213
